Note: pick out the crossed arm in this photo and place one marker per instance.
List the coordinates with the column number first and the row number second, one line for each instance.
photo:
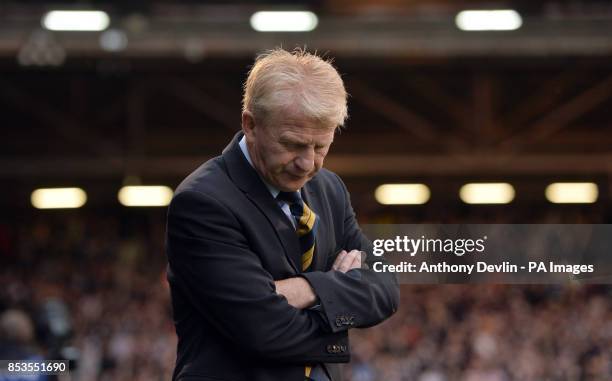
column 299, row 292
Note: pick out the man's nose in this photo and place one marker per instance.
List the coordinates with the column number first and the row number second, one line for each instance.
column 305, row 160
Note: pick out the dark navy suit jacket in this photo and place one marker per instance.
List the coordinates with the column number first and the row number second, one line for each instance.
column 228, row 241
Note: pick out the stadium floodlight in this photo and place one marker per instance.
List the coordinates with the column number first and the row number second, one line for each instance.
column 58, row 198
column 487, row 193
column 479, row 20
column 572, row 193
column 402, row 194
column 145, row 195
column 284, row 21
column 85, row 21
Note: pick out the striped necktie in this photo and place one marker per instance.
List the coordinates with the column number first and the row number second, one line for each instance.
column 305, row 223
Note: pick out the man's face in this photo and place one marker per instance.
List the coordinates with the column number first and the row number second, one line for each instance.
column 288, row 150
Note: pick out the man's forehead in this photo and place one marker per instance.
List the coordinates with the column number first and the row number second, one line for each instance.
column 307, row 135
column 292, row 115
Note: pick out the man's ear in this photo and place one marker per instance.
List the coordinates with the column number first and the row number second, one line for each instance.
column 248, row 123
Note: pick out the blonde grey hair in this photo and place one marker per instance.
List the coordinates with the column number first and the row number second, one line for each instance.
column 281, row 80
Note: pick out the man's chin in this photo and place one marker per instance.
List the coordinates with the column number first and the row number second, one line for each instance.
column 293, row 184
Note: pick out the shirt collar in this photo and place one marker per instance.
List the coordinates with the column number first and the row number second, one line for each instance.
column 245, row 152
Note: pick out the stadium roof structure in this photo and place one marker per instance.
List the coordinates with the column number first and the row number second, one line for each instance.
column 427, row 100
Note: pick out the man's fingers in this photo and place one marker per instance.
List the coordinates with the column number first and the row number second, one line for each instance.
column 347, row 262
column 357, row 261
column 339, row 259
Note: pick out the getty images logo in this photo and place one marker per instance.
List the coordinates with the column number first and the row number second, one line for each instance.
column 412, row 246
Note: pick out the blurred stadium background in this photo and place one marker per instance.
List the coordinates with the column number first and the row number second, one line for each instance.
column 157, row 91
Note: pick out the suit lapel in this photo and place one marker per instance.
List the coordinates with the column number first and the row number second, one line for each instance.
column 283, row 228
column 247, row 179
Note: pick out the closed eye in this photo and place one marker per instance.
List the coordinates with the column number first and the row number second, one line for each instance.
column 294, row 146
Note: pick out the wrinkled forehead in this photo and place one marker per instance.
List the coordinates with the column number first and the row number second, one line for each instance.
column 305, row 135
column 294, row 117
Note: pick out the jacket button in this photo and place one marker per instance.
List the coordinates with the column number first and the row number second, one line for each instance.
column 333, row 348
column 339, row 321
column 348, row 320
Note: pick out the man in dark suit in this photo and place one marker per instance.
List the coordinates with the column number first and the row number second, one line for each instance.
column 264, row 252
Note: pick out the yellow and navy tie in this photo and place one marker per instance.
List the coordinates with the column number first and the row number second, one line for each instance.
column 305, row 224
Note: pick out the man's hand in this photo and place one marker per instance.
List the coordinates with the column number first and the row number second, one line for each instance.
column 298, row 292
column 346, row 261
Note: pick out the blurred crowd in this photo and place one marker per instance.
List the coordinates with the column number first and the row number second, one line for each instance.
column 110, row 277
column 94, row 290
column 490, row 333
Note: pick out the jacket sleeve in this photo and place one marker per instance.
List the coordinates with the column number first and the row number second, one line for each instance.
column 225, row 281
column 360, row 297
